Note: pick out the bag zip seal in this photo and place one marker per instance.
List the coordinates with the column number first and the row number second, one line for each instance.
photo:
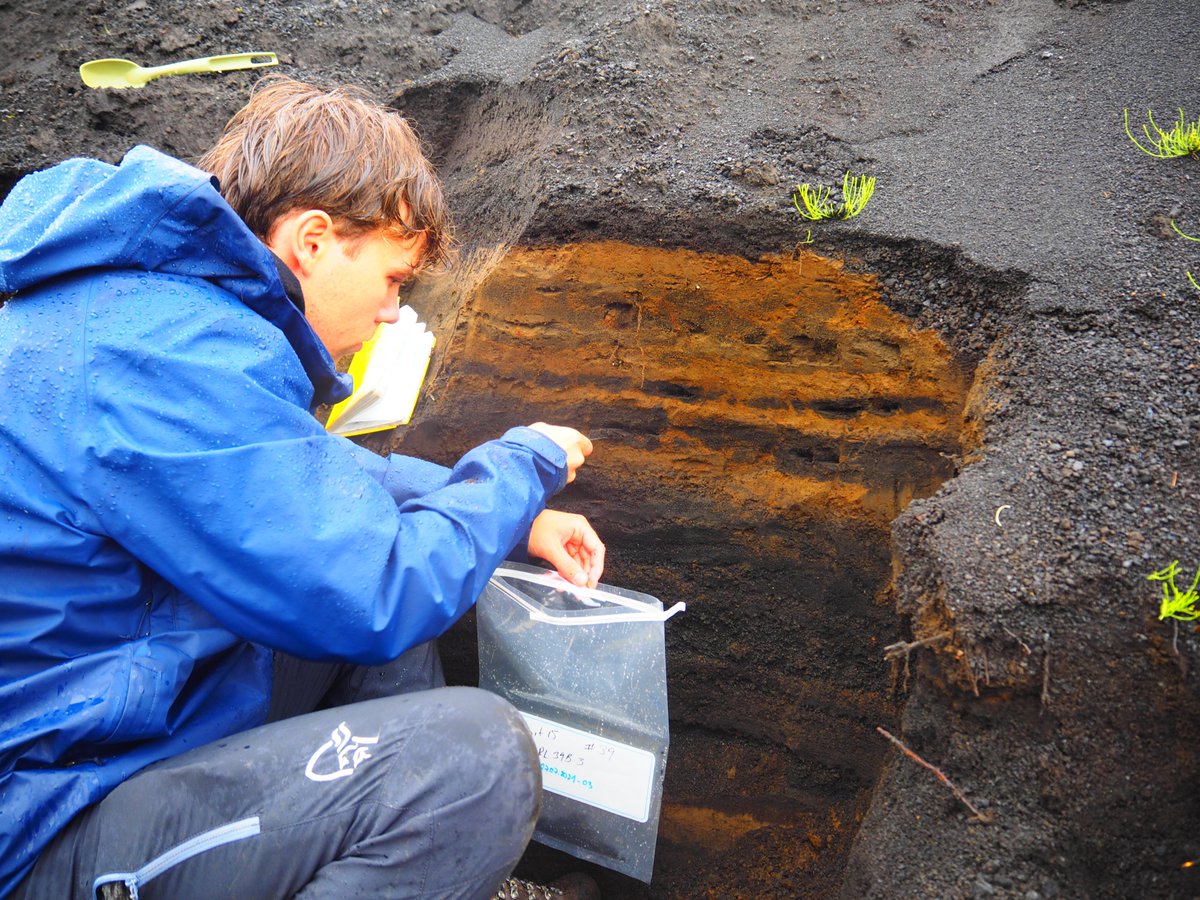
column 639, row 611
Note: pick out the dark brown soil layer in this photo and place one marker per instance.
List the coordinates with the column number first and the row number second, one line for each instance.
column 967, row 416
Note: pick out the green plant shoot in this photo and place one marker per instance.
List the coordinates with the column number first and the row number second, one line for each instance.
column 855, row 194
column 1186, row 237
column 1190, row 238
column 1176, row 604
column 816, row 204
column 1183, row 138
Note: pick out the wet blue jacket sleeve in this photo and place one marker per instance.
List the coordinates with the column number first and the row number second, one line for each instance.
column 403, row 477
column 199, row 461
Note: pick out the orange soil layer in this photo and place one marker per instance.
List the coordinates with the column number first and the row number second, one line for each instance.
column 798, row 349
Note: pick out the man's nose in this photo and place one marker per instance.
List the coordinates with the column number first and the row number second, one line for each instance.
column 389, row 312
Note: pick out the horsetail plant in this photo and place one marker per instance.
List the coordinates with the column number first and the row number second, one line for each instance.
column 816, row 204
column 1186, row 237
column 1176, row 604
column 855, row 194
column 1189, row 238
column 1182, row 140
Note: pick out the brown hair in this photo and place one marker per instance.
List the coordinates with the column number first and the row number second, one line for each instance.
column 296, row 146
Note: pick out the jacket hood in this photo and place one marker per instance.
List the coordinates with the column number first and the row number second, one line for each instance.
column 156, row 214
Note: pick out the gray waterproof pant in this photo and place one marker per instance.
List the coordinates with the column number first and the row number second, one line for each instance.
column 396, row 790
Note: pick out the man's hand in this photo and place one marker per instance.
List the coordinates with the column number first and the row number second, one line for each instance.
column 577, row 446
column 569, row 543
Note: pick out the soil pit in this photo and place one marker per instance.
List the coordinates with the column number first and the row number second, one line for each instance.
column 758, row 425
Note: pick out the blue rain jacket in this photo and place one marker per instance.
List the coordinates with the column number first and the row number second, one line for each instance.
column 169, row 507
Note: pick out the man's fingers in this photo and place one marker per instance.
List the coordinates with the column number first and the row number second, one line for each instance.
column 587, row 549
column 596, row 566
column 567, row 567
column 592, row 555
column 574, row 461
column 568, row 542
column 577, row 446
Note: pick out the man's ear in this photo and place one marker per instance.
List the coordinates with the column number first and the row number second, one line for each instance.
column 301, row 239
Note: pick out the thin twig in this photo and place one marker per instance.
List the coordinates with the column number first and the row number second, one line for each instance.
column 941, row 776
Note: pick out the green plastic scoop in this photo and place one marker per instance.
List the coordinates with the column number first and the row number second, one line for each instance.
column 121, row 73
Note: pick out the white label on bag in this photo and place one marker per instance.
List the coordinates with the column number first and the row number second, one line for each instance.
column 592, row 769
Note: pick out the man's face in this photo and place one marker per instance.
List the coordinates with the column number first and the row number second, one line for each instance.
column 354, row 287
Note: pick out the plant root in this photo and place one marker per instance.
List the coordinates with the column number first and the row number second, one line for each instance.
column 1046, row 677
column 941, row 776
column 903, row 650
column 1024, row 646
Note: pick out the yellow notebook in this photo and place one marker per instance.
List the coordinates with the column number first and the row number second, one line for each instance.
column 388, row 373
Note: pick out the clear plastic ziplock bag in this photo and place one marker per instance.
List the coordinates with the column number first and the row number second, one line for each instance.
column 587, row 670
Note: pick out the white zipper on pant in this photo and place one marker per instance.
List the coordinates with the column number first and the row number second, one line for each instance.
column 201, row 843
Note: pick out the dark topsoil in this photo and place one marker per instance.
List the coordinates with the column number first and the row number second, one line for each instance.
column 1060, row 704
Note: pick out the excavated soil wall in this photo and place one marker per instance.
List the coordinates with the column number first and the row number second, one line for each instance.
column 1012, row 215
column 758, row 424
